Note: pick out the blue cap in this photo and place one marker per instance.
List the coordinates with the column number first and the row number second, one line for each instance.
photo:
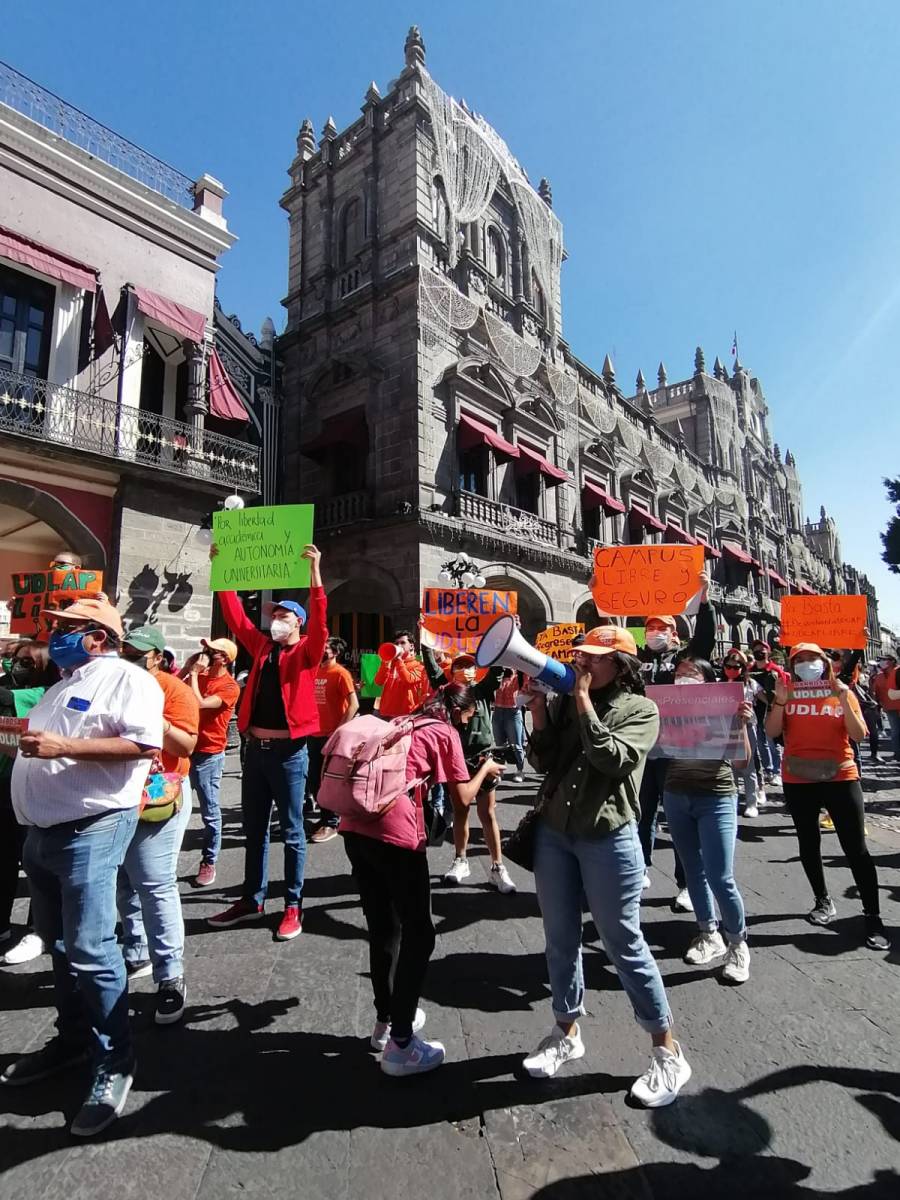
column 292, row 606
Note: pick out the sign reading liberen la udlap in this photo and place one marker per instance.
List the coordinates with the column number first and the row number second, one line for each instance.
column 260, row 548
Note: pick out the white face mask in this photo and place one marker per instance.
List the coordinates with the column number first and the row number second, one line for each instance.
column 658, row 641
column 280, row 631
column 680, row 680
column 809, row 672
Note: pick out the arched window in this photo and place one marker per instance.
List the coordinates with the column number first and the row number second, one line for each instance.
column 350, row 232
column 496, row 256
column 440, row 211
column 538, row 302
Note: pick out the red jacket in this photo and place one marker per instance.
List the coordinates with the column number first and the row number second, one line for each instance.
column 297, row 664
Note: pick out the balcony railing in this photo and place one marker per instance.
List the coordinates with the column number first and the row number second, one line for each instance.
column 60, row 416
column 33, row 101
column 513, row 522
column 343, row 510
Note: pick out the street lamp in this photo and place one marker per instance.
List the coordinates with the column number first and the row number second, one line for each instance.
column 462, row 572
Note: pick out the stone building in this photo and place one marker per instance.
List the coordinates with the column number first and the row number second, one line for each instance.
column 431, row 403
column 119, row 429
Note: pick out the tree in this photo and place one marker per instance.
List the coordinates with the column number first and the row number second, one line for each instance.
column 891, row 537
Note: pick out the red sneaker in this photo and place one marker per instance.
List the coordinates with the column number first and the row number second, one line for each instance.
column 291, row 924
column 244, row 910
column 206, row 875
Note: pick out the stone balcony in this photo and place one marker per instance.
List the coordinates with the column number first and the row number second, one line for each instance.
column 344, row 510
column 507, row 521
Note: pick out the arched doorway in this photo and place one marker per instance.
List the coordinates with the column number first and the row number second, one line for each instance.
column 360, row 611
column 533, row 604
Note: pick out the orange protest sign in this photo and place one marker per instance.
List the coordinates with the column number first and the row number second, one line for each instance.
column 556, row 640
column 55, row 588
column 832, row 622
column 455, row 619
column 645, row 580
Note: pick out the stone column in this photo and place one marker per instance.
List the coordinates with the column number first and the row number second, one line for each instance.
column 197, row 405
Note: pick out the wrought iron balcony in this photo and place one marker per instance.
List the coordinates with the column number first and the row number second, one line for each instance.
column 512, row 522
column 343, row 510
column 60, row 416
column 29, row 98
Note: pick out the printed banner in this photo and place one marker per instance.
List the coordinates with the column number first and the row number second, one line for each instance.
column 368, row 669
column 644, row 581
column 260, row 548
column 700, row 720
column 806, row 700
column 556, row 641
column 53, row 588
column 11, row 729
column 832, row 622
column 457, row 618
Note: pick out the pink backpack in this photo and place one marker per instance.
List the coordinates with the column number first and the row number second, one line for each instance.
column 364, row 766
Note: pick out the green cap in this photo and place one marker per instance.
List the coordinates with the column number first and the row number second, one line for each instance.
column 146, row 637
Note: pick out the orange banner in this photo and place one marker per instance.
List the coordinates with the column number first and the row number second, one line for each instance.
column 642, row 581
column 56, row 588
column 832, row 622
column 455, row 619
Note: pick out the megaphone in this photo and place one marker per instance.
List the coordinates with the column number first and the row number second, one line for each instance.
column 502, row 645
column 387, row 652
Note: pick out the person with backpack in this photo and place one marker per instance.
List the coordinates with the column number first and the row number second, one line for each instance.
column 337, row 703
column 375, row 774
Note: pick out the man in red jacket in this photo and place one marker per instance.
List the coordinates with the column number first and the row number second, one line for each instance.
column 277, row 714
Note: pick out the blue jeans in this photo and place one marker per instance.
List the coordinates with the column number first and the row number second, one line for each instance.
column 206, row 777
column 704, row 827
column 894, row 722
column 509, row 729
column 751, row 782
column 274, row 771
column 769, row 750
column 147, row 894
column 311, row 809
column 72, row 871
column 653, row 785
column 609, row 871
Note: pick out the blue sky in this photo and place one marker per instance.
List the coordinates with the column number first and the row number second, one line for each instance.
column 717, row 166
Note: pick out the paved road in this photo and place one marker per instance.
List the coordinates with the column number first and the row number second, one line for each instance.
column 268, row 1090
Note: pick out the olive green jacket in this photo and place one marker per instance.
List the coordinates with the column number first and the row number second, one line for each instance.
column 593, row 762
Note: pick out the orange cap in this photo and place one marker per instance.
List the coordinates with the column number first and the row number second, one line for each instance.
column 89, row 609
column 810, row 647
column 670, row 621
column 607, row 639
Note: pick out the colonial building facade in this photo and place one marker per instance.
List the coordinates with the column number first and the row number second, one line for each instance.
column 431, row 403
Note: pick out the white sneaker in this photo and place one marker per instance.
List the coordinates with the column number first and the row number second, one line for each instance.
column 28, row 948
column 751, row 811
column 704, row 948
column 555, row 1050
column 683, row 902
column 518, row 777
column 646, row 882
column 381, row 1034
column 459, row 871
column 501, row 880
column 736, row 967
column 761, row 799
column 664, row 1079
column 413, row 1059
column 775, row 781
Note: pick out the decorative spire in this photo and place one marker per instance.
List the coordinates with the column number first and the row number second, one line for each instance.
column 306, row 140
column 661, row 375
column 546, row 192
column 718, row 369
column 414, row 48
column 373, row 95
column 329, row 131
column 822, row 513
column 776, row 452
column 639, row 383
column 699, row 361
column 679, row 431
column 789, row 459
column 609, row 374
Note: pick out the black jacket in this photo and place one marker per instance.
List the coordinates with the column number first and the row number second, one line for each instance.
column 660, row 667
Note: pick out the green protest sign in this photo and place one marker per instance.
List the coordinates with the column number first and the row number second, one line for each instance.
column 368, row 669
column 260, row 548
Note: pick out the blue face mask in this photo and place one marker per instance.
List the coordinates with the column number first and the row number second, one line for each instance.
column 67, row 650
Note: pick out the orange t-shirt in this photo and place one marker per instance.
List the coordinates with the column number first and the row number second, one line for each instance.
column 180, row 708
column 334, row 687
column 214, row 721
column 814, row 728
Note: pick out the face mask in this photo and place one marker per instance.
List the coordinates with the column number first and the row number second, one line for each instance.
column 67, row 650
column 732, row 672
column 759, row 656
column 657, row 641
column 682, row 679
column 808, row 672
column 280, row 631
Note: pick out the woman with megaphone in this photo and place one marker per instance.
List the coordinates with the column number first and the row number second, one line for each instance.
column 592, row 746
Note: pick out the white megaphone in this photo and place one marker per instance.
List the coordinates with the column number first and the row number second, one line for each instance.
column 502, row 645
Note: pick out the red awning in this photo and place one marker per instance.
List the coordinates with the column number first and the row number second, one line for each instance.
column 181, row 320
column 594, row 496
column 47, row 261
column 530, row 460
column 224, row 400
column 805, row 589
column 681, row 535
column 474, row 433
column 640, row 515
column 733, row 550
column 776, row 578
column 711, row 551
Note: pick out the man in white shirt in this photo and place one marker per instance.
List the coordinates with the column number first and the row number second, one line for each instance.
column 76, row 785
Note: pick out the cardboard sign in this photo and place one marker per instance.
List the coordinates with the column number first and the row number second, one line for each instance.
column 700, row 720
column 457, row 618
column 644, row 581
column 832, row 622
column 368, row 669
column 53, row 588
column 11, row 729
column 260, row 548
column 806, row 700
column 556, row 641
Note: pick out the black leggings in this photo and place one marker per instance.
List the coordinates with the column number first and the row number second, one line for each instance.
column 12, row 839
column 395, row 891
column 843, row 802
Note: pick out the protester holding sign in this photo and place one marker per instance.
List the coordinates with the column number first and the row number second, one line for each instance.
column 736, row 669
column 277, row 714
column 592, row 747
column 509, row 726
column 30, row 674
column 402, row 678
column 701, row 808
column 818, row 715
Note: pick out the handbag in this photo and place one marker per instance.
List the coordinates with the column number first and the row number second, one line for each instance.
column 161, row 797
